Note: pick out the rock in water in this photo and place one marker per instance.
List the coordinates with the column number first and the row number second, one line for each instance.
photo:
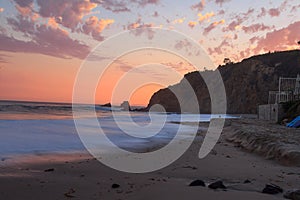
column 217, row 185
column 125, row 106
column 114, row 186
column 49, row 170
column 272, row 189
column 197, row 183
column 294, row 195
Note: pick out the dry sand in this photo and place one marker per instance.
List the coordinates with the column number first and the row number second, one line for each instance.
column 79, row 176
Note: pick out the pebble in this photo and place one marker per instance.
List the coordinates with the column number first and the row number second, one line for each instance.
column 217, row 185
column 197, row 183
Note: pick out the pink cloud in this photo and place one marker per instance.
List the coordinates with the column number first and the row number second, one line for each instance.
column 255, row 28
column 138, row 28
column 221, row 12
column 219, row 49
column 24, row 3
column 205, row 17
column 199, row 6
column 144, row 3
column 238, row 20
column 212, row 26
column 221, row 1
column 155, row 14
column 43, row 39
column 113, row 5
column 295, row 8
column 68, row 13
column 95, row 26
column 279, row 40
column 192, row 24
column 254, row 39
column 274, row 12
column 263, row 12
column 118, row 6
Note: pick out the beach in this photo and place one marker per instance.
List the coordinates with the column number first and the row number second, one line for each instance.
column 80, row 176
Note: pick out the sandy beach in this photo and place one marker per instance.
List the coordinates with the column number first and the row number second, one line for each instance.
column 80, row 176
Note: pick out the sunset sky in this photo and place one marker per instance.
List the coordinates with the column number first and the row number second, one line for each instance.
column 43, row 42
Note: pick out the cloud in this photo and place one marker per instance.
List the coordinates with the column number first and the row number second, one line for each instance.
column 113, row 5
column 187, row 46
column 178, row 21
column 118, row 6
column 219, row 49
column 24, row 3
column 2, row 59
column 155, row 14
column 239, row 19
column 95, row 26
column 295, row 8
column 192, row 24
column 274, row 12
column 254, row 39
column 68, row 13
column 206, row 16
column 144, row 3
column 255, row 28
column 199, row 6
column 221, row 12
column 43, row 39
column 263, row 12
column 212, row 26
column 180, row 66
column 220, row 2
column 24, row 11
column 138, row 28
column 280, row 40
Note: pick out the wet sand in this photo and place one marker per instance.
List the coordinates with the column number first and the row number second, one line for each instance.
column 80, row 176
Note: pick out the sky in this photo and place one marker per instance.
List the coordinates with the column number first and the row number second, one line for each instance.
column 43, row 43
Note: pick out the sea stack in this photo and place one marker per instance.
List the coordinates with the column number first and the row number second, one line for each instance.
column 125, row 106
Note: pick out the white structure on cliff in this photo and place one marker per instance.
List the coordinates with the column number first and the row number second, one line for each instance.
column 288, row 90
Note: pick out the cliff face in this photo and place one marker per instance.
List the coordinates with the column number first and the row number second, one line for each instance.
column 247, row 83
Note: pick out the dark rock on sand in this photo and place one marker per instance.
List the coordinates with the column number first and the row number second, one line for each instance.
column 70, row 193
column 114, row 186
column 247, row 181
column 197, row 183
column 217, row 185
column 294, row 195
column 272, row 189
column 49, row 170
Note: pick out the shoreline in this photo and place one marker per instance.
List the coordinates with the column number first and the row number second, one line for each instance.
column 82, row 177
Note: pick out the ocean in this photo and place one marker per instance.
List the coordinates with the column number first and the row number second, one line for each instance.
column 41, row 128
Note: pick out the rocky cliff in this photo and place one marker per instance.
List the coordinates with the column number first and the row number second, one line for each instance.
column 247, row 83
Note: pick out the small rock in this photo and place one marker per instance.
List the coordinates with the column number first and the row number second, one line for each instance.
column 70, row 193
column 272, row 189
column 293, row 194
column 114, row 186
column 197, row 183
column 247, row 181
column 49, row 170
column 217, row 185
